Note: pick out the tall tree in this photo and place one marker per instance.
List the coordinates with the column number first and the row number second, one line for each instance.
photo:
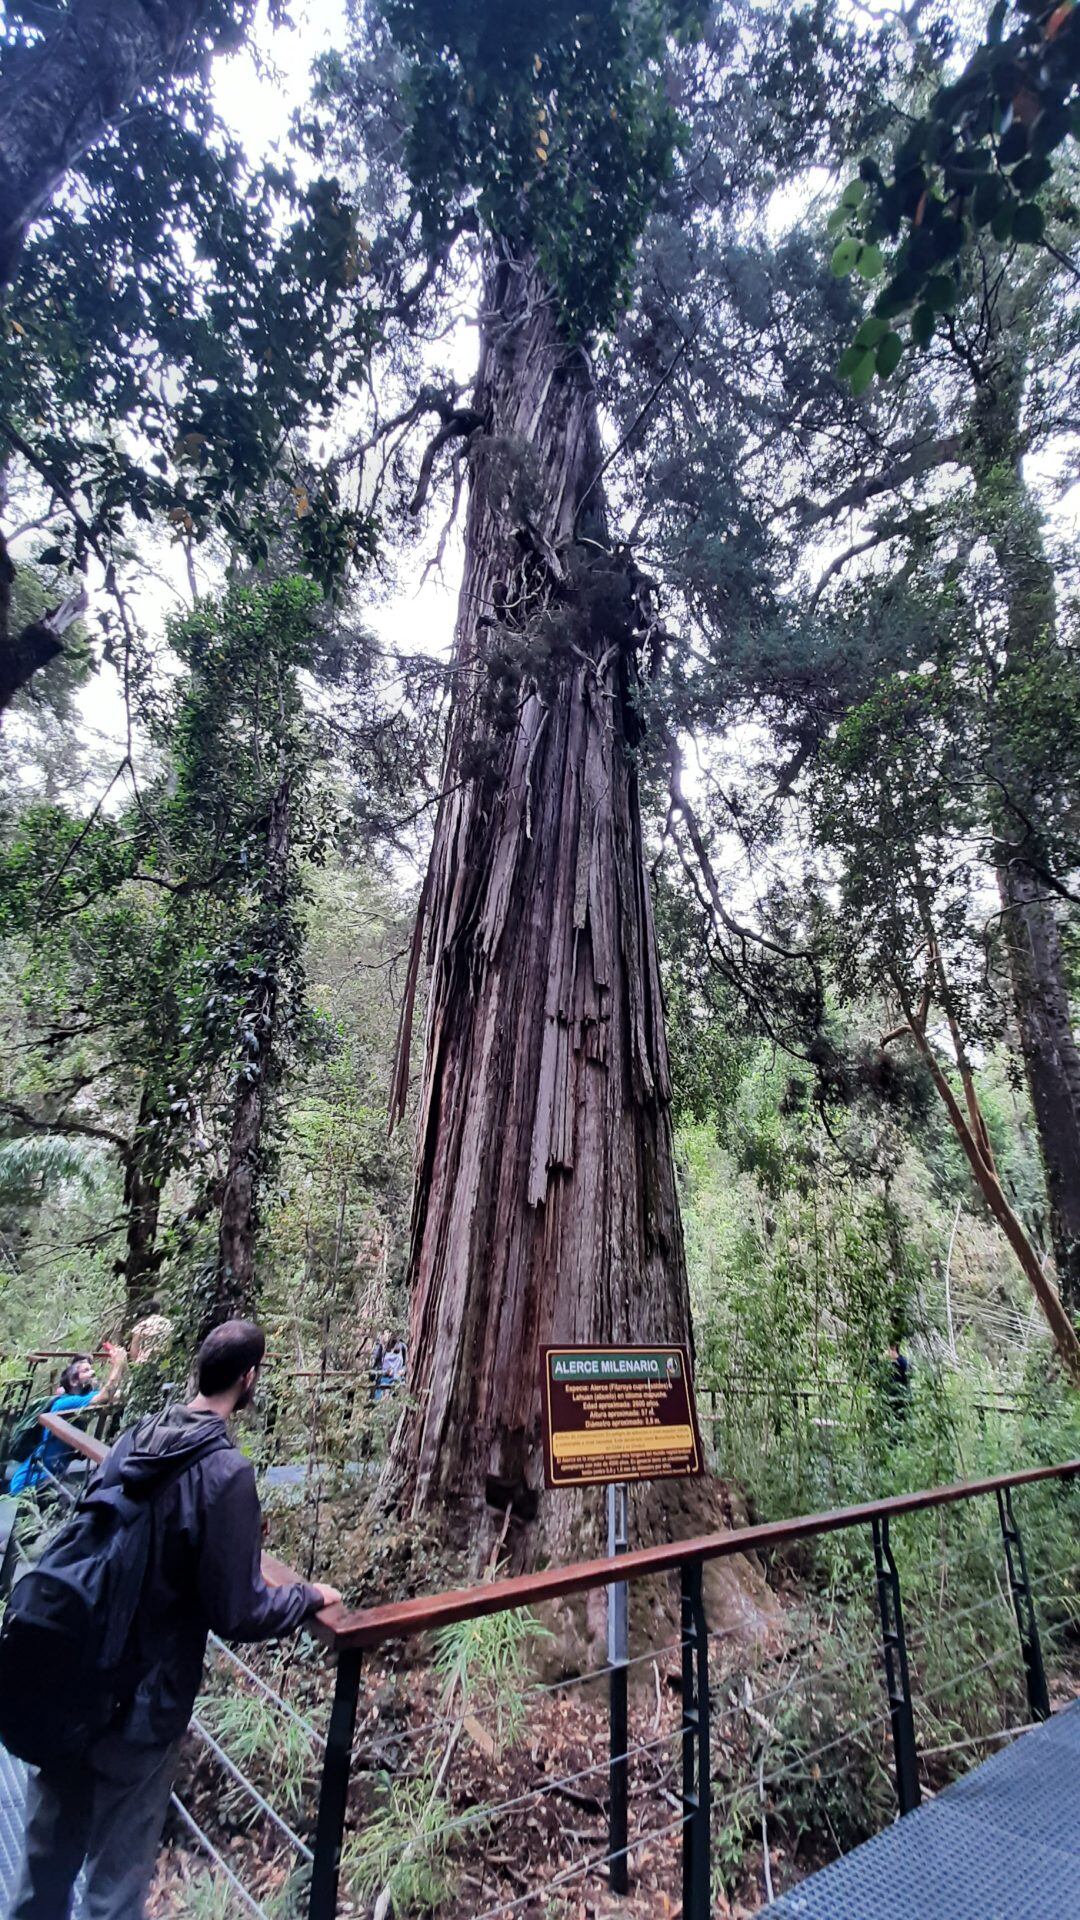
column 160, row 984
column 243, row 809
column 924, row 482
column 545, row 1203
column 175, row 327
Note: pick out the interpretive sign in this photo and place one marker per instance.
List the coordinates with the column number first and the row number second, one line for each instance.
column 618, row 1413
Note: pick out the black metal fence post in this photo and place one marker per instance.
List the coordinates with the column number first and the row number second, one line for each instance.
column 897, row 1678
column 1024, row 1608
column 697, row 1762
column 619, row 1716
column 334, row 1789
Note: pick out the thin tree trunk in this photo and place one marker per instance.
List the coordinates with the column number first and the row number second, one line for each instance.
column 1061, row 1328
column 1051, row 1059
column 1036, row 965
column 234, row 1290
column 142, row 1207
column 545, row 1205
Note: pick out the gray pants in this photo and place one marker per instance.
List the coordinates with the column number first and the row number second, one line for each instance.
column 108, row 1812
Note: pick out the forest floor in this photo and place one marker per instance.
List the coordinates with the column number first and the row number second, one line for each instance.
column 524, row 1806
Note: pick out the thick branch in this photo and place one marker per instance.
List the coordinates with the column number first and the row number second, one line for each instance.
column 64, row 1124
column 925, row 458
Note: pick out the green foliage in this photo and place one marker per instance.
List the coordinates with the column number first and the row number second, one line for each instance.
column 403, row 1846
column 263, row 1743
column 483, row 1664
column 550, row 131
column 172, row 332
column 979, row 157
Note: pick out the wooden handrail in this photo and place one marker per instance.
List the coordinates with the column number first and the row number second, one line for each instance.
column 376, row 1624
column 370, row 1626
column 65, row 1353
column 276, row 1574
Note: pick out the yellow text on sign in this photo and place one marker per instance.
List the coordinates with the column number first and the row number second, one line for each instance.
column 582, row 1446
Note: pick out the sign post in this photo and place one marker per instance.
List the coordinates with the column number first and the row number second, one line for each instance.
column 613, row 1415
column 618, row 1653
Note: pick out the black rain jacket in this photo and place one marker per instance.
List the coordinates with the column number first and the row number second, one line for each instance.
column 203, row 1572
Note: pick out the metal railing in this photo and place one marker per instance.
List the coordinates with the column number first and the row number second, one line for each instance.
column 356, row 1633
column 350, row 1635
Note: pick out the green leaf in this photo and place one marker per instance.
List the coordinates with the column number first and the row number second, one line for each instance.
column 923, row 322
column 1031, row 174
column 862, row 375
column 844, row 257
column 941, row 291
column 870, row 263
column 1050, row 129
column 987, row 199
column 1028, row 223
column 872, row 331
column 1001, row 225
column 1014, row 144
column 892, row 301
column 889, row 355
column 854, row 193
column 837, row 220
column 851, row 358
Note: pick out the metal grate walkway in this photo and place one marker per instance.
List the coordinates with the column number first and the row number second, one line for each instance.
column 12, row 1788
column 1002, row 1844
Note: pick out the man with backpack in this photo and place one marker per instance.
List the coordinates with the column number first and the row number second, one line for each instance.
column 38, row 1457
column 102, row 1647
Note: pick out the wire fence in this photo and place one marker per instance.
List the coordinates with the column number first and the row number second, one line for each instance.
column 782, row 1726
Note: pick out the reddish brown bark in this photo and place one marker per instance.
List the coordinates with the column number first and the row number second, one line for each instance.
column 1037, row 971
column 545, row 1205
column 970, row 1136
column 1051, row 1058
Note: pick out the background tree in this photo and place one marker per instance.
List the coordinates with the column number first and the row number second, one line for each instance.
column 176, row 325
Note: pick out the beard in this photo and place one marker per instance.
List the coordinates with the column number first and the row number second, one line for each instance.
column 246, row 1398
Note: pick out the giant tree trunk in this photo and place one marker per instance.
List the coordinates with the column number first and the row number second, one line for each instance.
column 545, row 1205
column 1036, row 964
column 234, row 1288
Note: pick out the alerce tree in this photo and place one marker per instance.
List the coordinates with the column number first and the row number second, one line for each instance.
column 545, row 1204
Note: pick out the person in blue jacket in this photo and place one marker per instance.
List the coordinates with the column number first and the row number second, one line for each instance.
column 203, row 1574
column 78, row 1389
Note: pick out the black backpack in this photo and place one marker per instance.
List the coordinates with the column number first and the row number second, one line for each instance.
column 69, row 1622
column 28, row 1435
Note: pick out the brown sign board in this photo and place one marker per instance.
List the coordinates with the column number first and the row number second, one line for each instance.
column 618, row 1413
